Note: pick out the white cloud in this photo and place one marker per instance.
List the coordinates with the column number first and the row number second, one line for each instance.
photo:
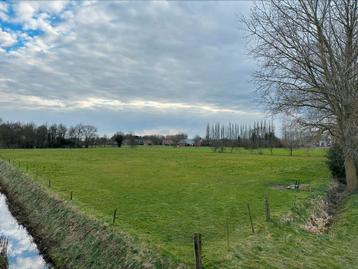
column 28, row 10
column 3, row 7
column 38, row 15
column 129, row 56
column 97, row 103
column 25, row 10
column 7, row 39
column 3, row 11
column 53, row 6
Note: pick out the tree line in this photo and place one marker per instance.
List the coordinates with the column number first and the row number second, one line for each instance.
column 260, row 134
column 30, row 135
column 134, row 140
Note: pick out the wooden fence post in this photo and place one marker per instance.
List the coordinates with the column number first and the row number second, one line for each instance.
column 227, row 234
column 197, row 251
column 71, row 196
column 114, row 216
column 249, row 211
column 267, row 209
column 49, row 183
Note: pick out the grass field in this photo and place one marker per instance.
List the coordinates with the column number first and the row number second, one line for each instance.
column 163, row 195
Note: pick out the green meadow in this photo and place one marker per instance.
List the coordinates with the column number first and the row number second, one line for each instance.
column 163, row 195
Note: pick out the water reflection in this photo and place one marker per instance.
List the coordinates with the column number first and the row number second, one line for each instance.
column 22, row 251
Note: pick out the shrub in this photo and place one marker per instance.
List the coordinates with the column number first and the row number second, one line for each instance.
column 335, row 163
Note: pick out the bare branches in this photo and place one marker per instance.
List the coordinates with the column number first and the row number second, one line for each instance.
column 309, row 55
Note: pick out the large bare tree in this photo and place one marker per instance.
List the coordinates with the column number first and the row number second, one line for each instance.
column 308, row 52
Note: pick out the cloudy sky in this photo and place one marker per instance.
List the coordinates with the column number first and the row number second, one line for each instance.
column 146, row 67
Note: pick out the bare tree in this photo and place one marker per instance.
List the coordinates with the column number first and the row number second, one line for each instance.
column 308, row 50
column 197, row 140
column 89, row 134
column 76, row 134
column 177, row 138
column 291, row 136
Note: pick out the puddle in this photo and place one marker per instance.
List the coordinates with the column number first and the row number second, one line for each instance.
column 22, row 251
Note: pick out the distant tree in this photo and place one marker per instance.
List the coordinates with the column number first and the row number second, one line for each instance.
column 41, row 137
column 72, row 136
column 155, row 139
column 75, row 134
column 118, row 138
column 177, row 138
column 292, row 135
column 61, row 135
column 102, row 140
column 89, row 134
column 207, row 134
column 197, row 140
column 131, row 140
column 51, row 135
column 28, row 135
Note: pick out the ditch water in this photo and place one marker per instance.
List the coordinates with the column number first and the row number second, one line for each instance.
column 22, row 251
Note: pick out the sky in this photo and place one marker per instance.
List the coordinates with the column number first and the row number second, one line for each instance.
column 134, row 66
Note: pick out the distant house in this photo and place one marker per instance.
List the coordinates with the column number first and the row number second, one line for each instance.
column 324, row 143
column 186, row 143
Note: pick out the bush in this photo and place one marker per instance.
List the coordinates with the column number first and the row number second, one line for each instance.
column 336, row 163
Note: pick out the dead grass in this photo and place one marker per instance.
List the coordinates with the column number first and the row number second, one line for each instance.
column 325, row 209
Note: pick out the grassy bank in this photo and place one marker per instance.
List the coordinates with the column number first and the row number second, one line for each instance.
column 163, row 195
column 282, row 246
column 69, row 238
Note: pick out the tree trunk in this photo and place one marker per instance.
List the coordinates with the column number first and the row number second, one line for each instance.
column 351, row 173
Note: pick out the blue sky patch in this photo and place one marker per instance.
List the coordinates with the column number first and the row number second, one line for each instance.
column 17, row 28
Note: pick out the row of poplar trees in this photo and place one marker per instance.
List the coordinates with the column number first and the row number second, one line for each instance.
column 260, row 134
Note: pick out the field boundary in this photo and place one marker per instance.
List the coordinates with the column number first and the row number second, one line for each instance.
column 67, row 237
